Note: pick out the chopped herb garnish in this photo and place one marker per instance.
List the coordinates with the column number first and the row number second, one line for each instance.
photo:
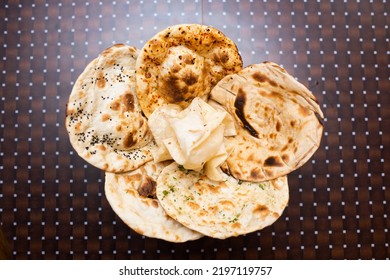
column 171, row 189
column 165, row 193
column 235, row 219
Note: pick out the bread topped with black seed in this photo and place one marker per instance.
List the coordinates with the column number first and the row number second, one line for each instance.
column 103, row 118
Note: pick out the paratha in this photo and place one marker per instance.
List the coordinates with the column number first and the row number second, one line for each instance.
column 182, row 62
column 104, row 120
column 278, row 121
column 132, row 197
column 220, row 209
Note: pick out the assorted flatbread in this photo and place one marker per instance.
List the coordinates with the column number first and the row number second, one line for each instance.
column 182, row 62
column 104, row 120
column 220, row 209
column 132, row 195
column 278, row 122
column 267, row 124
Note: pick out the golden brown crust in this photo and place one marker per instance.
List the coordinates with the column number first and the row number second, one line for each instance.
column 132, row 197
column 183, row 62
column 103, row 118
column 220, row 209
column 277, row 119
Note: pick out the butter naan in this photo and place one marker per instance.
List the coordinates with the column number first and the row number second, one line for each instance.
column 278, row 121
column 220, row 209
column 182, row 62
column 132, row 196
column 103, row 118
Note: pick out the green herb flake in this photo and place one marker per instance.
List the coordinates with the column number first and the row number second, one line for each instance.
column 235, row 219
column 165, row 193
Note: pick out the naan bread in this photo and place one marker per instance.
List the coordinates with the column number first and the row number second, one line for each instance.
column 278, row 120
column 132, row 197
column 183, row 62
column 104, row 120
column 220, row 209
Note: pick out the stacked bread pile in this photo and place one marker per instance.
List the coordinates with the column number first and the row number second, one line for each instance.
column 192, row 143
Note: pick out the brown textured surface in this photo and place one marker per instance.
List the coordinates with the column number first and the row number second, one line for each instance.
column 52, row 204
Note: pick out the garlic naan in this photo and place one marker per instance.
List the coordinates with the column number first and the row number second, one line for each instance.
column 220, row 209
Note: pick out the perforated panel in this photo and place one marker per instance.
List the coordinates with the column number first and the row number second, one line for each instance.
column 52, row 203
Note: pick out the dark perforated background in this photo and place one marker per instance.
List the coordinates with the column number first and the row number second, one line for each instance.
column 52, row 203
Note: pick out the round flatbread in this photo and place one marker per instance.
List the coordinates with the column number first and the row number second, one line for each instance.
column 220, row 209
column 103, row 118
column 278, row 121
column 132, row 197
column 183, row 62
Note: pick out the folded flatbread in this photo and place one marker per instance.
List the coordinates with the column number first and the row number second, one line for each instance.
column 182, row 62
column 220, row 209
column 278, row 121
column 193, row 137
column 103, row 118
column 132, row 197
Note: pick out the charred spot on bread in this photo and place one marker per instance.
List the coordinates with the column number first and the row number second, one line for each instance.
column 175, row 93
column 259, row 77
column 239, row 104
column 147, row 188
column 128, row 102
column 273, row 161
